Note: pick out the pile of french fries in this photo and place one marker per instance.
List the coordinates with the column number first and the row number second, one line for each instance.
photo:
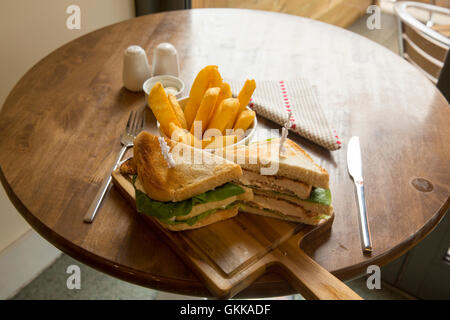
column 211, row 118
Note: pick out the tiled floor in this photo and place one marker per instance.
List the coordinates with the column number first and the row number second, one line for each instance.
column 51, row 284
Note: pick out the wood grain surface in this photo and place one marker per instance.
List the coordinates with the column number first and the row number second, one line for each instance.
column 340, row 13
column 60, row 128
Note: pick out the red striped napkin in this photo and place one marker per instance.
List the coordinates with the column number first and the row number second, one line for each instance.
column 274, row 99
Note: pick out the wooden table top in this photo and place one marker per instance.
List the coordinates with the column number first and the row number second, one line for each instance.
column 60, row 128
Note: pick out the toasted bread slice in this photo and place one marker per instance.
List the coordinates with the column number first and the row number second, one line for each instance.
column 128, row 167
column 217, row 216
column 294, row 164
column 195, row 171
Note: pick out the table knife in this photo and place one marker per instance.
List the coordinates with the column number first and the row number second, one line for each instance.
column 354, row 163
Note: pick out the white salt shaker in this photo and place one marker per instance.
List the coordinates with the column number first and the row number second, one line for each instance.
column 135, row 68
column 165, row 60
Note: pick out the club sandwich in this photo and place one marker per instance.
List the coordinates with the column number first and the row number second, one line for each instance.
column 288, row 186
column 192, row 190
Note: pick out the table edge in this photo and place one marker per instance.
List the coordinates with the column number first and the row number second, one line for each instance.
column 189, row 287
column 197, row 288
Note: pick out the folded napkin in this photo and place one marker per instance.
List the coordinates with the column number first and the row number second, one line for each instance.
column 274, row 99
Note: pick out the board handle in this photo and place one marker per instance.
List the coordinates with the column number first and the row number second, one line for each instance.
column 309, row 278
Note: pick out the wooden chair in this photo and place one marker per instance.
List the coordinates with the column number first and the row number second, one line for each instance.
column 423, row 46
column 444, row 79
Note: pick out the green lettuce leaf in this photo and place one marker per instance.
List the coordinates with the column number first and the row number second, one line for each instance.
column 322, row 217
column 161, row 210
column 321, row 196
column 167, row 210
column 218, row 194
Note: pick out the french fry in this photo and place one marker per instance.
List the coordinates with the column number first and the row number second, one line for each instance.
column 178, row 111
column 205, row 108
column 245, row 94
column 224, row 113
column 216, row 79
column 173, row 130
column 225, row 92
column 244, row 120
column 201, row 83
column 216, row 142
column 161, row 108
column 233, row 118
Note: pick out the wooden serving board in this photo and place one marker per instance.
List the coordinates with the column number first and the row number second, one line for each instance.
column 231, row 254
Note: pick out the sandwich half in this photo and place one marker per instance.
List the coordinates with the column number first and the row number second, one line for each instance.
column 196, row 191
column 289, row 187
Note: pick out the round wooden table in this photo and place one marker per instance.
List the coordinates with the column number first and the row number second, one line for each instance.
column 60, row 128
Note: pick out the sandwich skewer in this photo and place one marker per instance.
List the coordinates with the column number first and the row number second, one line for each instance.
column 284, row 133
column 165, row 151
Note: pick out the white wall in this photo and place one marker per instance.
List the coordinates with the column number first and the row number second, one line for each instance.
column 29, row 30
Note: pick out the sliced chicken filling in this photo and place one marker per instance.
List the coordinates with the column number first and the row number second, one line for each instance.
column 274, row 183
column 307, row 205
column 281, row 206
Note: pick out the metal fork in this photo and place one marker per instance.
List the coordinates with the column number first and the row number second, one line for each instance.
column 134, row 126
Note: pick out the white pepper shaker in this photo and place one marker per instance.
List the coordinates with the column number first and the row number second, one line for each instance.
column 165, row 60
column 135, row 68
